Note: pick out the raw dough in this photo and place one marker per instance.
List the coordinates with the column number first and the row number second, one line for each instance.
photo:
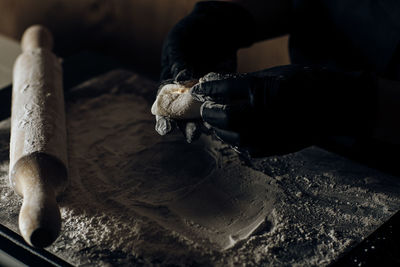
column 175, row 101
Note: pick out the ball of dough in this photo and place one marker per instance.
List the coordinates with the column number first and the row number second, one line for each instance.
column 175, row 101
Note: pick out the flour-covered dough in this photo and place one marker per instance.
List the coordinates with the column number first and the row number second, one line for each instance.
column 175, row 101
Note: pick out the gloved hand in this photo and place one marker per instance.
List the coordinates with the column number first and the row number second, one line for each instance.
column 205, row 41
column 286, row 108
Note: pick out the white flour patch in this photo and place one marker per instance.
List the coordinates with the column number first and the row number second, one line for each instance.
column 121, row 170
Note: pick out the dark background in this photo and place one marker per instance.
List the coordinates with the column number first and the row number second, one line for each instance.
column 130, row 30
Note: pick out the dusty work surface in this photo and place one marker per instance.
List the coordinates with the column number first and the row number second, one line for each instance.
column 138, row 198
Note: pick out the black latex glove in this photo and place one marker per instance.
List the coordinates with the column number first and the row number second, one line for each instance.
column 286, row 108
column 205, row 41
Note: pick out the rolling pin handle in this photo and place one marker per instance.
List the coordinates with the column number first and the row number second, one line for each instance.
column 39, row 178
column 37, row 36
column 40, row 218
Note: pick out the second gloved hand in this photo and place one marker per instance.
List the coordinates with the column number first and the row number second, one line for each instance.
column 284, row 109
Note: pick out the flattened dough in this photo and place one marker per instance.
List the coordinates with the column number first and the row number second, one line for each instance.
column 175, row 101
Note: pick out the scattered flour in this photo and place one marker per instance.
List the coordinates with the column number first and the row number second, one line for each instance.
column 136, row 198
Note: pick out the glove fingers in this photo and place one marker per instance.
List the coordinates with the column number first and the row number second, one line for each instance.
column 222, row 91
column 229, row 137
column 191, row 130
column 227, row 117
column 171, row 70
column 164, row 125
column 184, row 75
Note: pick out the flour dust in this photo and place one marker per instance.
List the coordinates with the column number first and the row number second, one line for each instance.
column 137, row 198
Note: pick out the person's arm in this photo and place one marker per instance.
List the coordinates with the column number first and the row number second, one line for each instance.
column 208, row 38
column 272, row 17
column 286, row 108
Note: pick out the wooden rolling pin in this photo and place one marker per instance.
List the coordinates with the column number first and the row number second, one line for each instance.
column 38, row 146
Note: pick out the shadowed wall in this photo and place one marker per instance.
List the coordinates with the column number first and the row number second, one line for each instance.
column 132, row 31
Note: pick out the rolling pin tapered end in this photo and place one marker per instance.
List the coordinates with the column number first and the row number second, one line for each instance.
column 42, row 238
column 40, row 219
column 39, row 178
column 37, row 36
